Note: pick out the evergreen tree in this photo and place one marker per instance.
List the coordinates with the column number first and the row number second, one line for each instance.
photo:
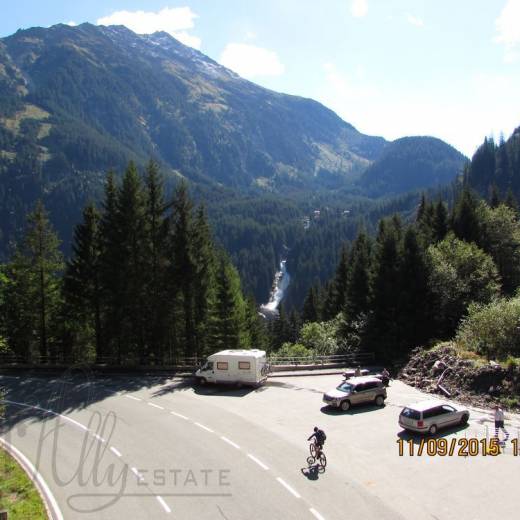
column 184, row 269
column 414, row 315
column 385, row 289
column 494, row 196
column 156, row 258
column 132, row 239
column 33, row 298
column 464, row 219
column 82, row 283
column 310, row 310
column 440, row 221
column 228, row 328
column 204, row 285
column 110, row 274
column 358, row 282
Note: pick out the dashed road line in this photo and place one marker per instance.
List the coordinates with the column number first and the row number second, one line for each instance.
column 164, row 504
column 115, row 451
column 316, row 514
column 289, row 488
column 204, row 427
column 99, row 438
column 155, row 406
column 132, row 397
column 180, row 415
column 137, row 474
column 225, row 439
column 259, row 462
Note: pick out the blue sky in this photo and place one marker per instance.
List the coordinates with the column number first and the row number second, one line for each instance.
column 390, row 67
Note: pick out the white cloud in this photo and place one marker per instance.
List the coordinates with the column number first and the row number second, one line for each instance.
column 508, row 30
column 251, row 61
column 359, row 8
column 175, row 21
column 414, row 20
column 71, row 23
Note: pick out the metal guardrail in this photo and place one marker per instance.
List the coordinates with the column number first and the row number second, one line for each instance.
column 357, row 359
column 178, row 363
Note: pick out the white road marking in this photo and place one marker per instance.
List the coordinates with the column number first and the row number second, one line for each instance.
column 259, row 462
column 164, row 504
column 289, row 488
column 137, row 474
column 180, row 415
column 204, row 427
column 225, row 439
column 316, row 514
column 33, row 474
column 132, row 397
column 99, row 438
column 156, row 406
column 115, row 451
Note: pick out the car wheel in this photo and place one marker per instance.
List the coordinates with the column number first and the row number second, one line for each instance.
column 345, row 405
column 464, row 419
column 432, row 430
column 380, row 400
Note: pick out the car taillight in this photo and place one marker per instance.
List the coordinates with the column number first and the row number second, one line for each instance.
column 420, row 424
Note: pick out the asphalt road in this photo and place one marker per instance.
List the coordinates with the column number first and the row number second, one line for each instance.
column 145, row 447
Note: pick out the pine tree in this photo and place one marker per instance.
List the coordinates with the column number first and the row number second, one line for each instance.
column 34, row 295
column 183, row 268
column 440, row 221
column 465, row 220
column 82, row 283
column 414, row 315
column 358, row 283
column 156, row 301
column 131, row 227
column 204, row 284
column 228, row 328
column 385, row 289
column 311, row 310
column 111, row 279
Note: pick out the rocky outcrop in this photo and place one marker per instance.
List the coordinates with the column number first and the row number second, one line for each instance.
column 466, row 380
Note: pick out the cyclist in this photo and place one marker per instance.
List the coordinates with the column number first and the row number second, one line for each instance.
column 319, row 440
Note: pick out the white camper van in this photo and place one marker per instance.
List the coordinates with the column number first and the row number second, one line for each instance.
column 248, row 367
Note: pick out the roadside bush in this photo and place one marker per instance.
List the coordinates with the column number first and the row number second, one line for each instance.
column 492, row 330
column 320, row 337
column 293, row 350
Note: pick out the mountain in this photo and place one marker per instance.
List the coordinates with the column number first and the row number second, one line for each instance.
column 86, row 98
column 412, row 163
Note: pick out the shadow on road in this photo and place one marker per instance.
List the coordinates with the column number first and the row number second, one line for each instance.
column 68, row 392
column 311, row 472
column 329, row 410
column 226, row 390
column 417, row 438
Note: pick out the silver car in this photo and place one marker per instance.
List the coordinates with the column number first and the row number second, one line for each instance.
column 431, row 416
column 356, row 390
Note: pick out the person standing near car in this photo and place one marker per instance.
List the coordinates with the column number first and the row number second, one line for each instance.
column 499, row 422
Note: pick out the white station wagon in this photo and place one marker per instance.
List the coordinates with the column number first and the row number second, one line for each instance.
column 431, row 416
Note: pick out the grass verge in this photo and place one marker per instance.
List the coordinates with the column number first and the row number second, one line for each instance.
column 18, row 495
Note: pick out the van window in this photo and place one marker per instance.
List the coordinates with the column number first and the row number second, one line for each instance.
column 411, row 414
column 208, row 365
column 222, row 365
column 244, row 365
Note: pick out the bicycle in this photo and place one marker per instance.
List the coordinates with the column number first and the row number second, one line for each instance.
column 321, row 458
